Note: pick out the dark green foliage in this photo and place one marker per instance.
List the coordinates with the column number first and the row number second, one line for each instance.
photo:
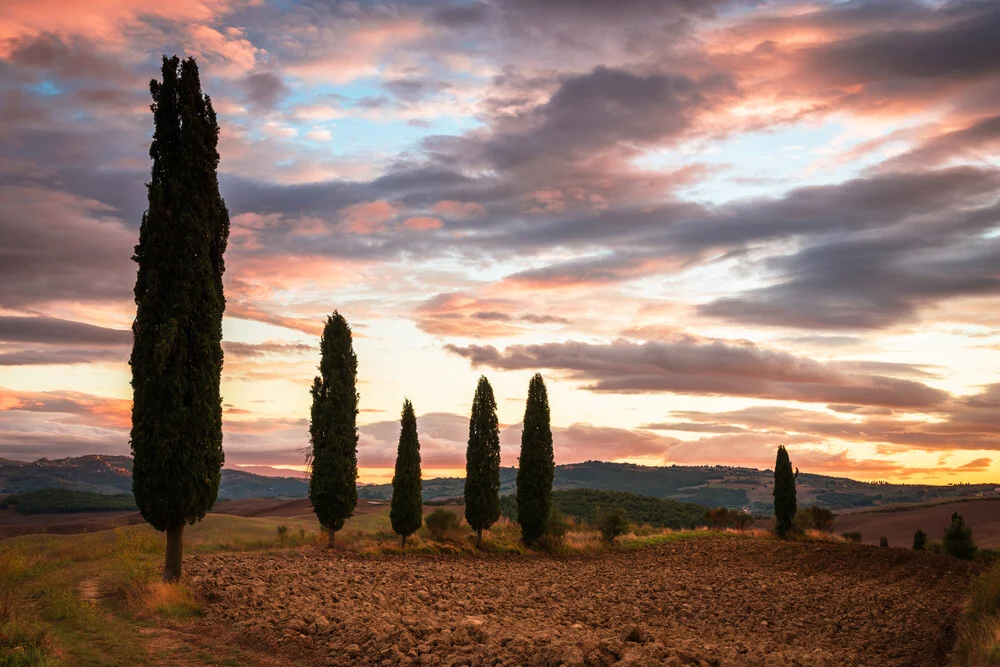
column 333, row 431
column 853, row 536
column 784, row 493
column 440, row 522
column 176, row 357
column 406, row 512
column 50, row 501
column 883, row 541
column 958, row 540
column 554, row 534
column 612, row 523
column 814, row 518
column 720, row 517
column 712, row 496
column 585, row 505
column 536, row 465
column 482, row 462
column 919, row 540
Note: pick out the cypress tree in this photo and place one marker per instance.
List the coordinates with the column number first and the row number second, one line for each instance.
column 784, row 492
column 333, row 431
column 482, row 462
column 536, row 465
column 406, row 512
column 176, row 360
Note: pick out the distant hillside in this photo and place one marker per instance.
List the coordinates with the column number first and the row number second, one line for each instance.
column 64, row 501
column 710, row 486
column 587, row 504
column 112, row 475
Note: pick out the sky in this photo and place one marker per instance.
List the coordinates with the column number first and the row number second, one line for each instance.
column 714, row 227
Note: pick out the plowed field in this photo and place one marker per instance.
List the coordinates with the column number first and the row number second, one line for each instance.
column 716, row 600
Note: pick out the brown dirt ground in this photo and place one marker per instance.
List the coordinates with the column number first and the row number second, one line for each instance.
column 899, row 524
column 711, row 600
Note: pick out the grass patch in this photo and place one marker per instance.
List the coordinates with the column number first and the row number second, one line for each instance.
column 979, row 643
column 175, row 601
column 23, row 641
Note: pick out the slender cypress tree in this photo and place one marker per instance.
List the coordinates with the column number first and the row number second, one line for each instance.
column 176, row 360
column 536, row 465
column 333, row 430
column 784, row 492
column 482, row 462
column 406, row 512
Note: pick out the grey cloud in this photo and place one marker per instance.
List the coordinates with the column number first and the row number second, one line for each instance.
column 692, row 365
column 264, row 89
column 56, row 331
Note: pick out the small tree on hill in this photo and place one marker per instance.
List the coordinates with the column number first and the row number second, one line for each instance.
column 176, row 360
column 406, row 512
column 919, row 540
column 536, row 465
column 958, row 539
column 784, row 493
column 482, row 462
column 333, row 430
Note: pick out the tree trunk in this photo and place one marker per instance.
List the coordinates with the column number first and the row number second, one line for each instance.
column 403, row 542
column 479, row 538
column 172, row 565
column 330, row 542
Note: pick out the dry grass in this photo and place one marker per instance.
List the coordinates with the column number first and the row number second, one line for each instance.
column 979, row 644
column 170, row 600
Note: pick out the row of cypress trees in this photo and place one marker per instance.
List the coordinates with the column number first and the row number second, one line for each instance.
column 334, row 443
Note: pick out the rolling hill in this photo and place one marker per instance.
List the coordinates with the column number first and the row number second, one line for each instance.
column 711, row 486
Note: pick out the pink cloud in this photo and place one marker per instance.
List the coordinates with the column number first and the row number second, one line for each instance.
column 368, row 217
column 449, row 208
column 422, row 223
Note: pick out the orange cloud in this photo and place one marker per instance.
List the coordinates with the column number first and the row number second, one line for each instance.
column 422, row 223
column 368, row 217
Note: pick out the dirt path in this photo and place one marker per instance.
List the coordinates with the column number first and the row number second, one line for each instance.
column 721, row 600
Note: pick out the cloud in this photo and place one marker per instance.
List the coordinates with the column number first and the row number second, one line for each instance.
column 265, row 89
column 694, row 365
column 50, row 330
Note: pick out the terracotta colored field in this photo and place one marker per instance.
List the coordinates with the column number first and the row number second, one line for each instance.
column 699, row 599
column 899, row 523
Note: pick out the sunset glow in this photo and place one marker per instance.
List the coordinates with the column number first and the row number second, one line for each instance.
column 714, row 227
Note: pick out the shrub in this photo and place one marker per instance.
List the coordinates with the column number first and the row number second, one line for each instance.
column 958, row 539
column 920, row 540
column 282, row 532
column 853, row 536
column 815, row 518
column 883, row 541
column 612, row 523
column 556, row 527
column 440, row 522
column 721, row 517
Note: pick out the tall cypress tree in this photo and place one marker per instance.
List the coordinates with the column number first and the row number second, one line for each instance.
column 176, row 360
column 784, row 492
column 536, row 465
column 333, row 430
column 482, row 462
column 406, row 512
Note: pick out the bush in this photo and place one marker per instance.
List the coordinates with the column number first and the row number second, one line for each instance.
column 282, row 533
column 958, row 539
column 853, row 536
column 440, row 522
column 721, row 517
column 920, row 540
column 556, row 528
column 883, row 541
column 814, row 518
column 612, row 523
